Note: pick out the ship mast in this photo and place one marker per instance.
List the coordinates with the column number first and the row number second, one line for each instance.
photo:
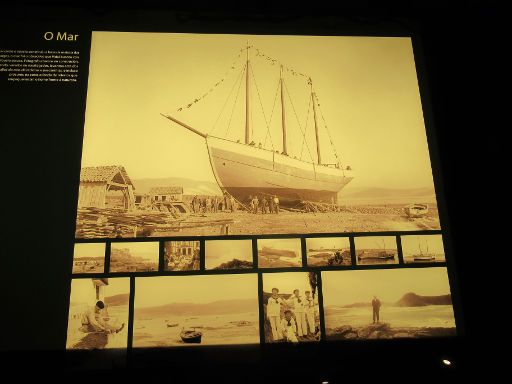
column 313, row 99
column 247, row 110
column 283, row 120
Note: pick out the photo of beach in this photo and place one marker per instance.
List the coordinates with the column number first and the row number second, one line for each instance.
column 279, row 253
column 387, row 304
column 89, row 258
column 174, row 311
column 98, row 313
column 134, row 256
column 376, row 250
column 182, row 255
column 228, row 254
column 328, row 251
column 423, row 249
column 290, row 307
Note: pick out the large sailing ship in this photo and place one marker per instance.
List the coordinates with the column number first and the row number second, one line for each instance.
column 244, row 169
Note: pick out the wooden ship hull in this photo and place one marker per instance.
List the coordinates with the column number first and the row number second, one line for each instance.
column 244, row 170
column 379, row 256
column 191, row 337
column 416, row 210
column 425, row 257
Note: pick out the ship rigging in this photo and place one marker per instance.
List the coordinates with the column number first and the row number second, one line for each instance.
column 246, row 169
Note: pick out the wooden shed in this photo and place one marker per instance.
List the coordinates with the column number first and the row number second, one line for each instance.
column 105, row 187
column 166, row 194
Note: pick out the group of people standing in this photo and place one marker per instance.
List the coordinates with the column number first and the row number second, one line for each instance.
column 264, row 205
column 212, row 204
column 297, row 320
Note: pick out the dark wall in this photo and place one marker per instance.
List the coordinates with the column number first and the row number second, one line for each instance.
column 462, row 48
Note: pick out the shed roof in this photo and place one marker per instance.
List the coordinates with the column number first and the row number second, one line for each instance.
column 105, row 174
column 165, row 190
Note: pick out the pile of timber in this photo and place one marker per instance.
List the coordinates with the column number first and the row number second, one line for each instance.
column 110, row 223
column 102, row 222
column 377, row 210
column 313, row 206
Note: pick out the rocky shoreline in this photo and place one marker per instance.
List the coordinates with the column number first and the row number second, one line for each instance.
column 385, row 331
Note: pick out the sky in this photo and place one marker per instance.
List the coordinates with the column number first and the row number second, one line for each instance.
column 83, row 291
column 89, row 250
column 146, row 250
column 367, row 89
column 375, row 242
column 281, row 244
column 221, row 251
column 286, row 282
column 411, row 244
column 347, row 287
column 328, row 242
column 161, row 290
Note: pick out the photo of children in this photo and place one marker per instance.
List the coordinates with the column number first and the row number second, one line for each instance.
column 290, row 305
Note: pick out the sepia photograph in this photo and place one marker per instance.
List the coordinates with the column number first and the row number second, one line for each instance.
column 134, row 257
column 376, row 250
column 228, row 254
column 279, row 253
column 248, row 135
column 182, row 255
column 423, row 249
column 290, row 306
column 89, row 258
column 387, row 304
column 98, row 313
column 173, row 311
column 328, row 251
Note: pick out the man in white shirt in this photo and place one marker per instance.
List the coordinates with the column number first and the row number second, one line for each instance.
column 274, row 314
column 310, row 312
column 300, row 312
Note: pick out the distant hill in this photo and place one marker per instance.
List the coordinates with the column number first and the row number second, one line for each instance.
column 235, row 264
column 413, row 300
column 284, row 296
column 121, row 299
column 190, row 187
column 361, row 195
column 222, row 307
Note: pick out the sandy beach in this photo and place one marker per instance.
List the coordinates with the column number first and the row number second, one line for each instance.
column 357, row 218
column 238, row 328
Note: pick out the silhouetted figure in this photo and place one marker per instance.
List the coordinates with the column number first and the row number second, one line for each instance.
column 376, row 309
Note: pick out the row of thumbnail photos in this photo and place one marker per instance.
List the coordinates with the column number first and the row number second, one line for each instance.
column 272, row 253
column 231, row 309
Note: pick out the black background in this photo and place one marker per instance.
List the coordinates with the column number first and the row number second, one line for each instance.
column 462, row 49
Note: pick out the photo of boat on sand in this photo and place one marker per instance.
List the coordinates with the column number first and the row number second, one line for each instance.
column 259, row 139
column 228, row 254
column 134, row 256
column 279, row 253
column 98, row 313
column 173, row 311
column 376, row 250
column 89, row 258
column 387, row 304
column 328, row 251
column 423, row 249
